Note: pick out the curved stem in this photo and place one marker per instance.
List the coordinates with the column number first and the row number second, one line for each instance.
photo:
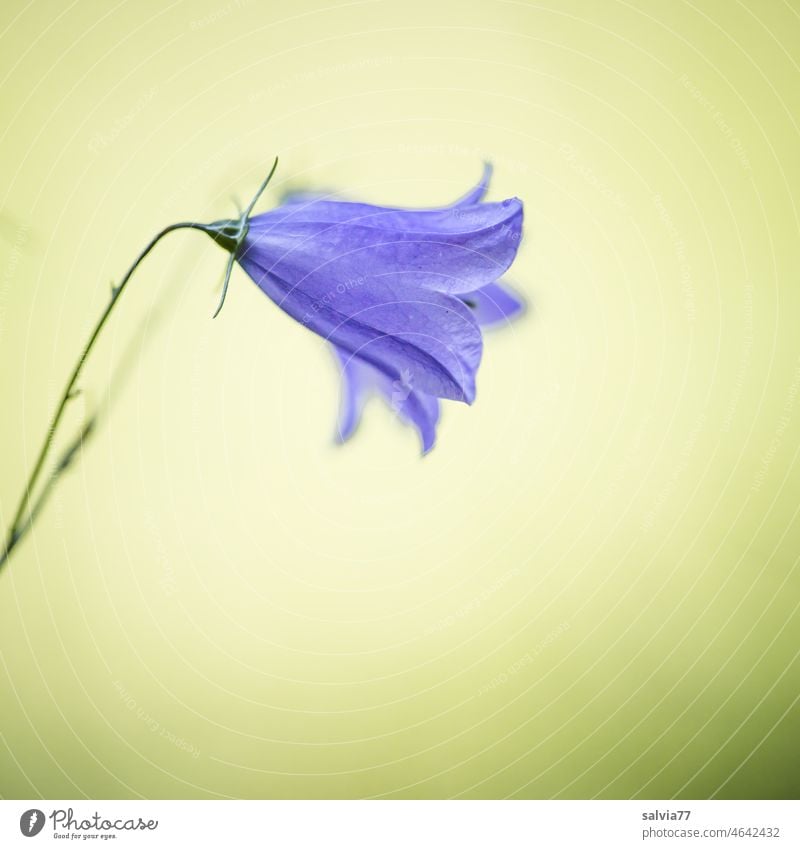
column 24, row 517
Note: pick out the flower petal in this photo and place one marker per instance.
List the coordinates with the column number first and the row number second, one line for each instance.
column 422, row 411
column 455, row 250
column 433, row 336
column 357, row 380
column 412, row 406
column 494, row 304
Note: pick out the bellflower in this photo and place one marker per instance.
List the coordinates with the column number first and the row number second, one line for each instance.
column 400, row 294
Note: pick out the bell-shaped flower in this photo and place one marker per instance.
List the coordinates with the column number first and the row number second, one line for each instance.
column 401, row 294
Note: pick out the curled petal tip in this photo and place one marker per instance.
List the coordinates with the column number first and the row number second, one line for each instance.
column 427, row 447
column 478, row 193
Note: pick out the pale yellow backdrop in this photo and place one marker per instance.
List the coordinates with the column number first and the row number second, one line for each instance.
column 588, row 588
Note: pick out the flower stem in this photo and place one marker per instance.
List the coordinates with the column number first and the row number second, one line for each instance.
column 26, row 513
column 228, row 234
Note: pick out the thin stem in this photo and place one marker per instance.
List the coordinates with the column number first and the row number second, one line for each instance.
column 25, row 515
column 63, row 464
column 228, row 234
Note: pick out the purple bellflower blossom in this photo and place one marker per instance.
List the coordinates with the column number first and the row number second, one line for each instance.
column 400, row 294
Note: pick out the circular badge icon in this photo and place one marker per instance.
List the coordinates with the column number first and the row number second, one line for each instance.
column 31, row 822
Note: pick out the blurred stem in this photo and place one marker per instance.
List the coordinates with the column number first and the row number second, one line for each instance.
column 27, row 510
column 230, row 235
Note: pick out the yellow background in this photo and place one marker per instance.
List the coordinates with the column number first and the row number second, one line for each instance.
column 589, row 588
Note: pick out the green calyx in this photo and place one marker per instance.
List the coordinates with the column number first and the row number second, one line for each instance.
column 231, row 233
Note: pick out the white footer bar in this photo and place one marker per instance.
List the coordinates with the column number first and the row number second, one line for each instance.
column 401, row 824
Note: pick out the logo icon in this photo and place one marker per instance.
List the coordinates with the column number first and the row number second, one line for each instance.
column 31, row 822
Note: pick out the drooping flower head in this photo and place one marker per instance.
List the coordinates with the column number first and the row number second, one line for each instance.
column 400, row 294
